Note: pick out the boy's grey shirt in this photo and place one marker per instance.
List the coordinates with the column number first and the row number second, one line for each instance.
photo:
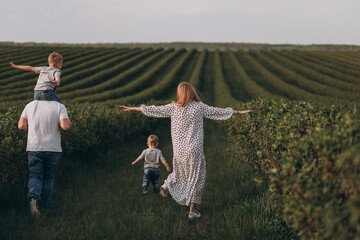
column 152, row 156
column 47, row 75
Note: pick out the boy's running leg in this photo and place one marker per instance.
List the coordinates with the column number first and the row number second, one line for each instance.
column 155, row 180
column 146, row 180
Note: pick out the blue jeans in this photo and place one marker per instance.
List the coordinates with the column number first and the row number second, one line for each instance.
column 42, row 167
column 153, row 176
column 47, row 95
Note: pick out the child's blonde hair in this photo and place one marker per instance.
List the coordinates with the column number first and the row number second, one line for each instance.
column 185, row 93
column 153, row 140
column 55, row 58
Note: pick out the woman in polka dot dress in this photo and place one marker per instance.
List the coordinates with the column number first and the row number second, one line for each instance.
column 187, row 180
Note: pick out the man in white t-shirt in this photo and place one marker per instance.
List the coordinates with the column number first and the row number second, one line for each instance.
column 42, row 120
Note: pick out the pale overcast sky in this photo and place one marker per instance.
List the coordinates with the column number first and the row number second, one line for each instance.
column 122, row 21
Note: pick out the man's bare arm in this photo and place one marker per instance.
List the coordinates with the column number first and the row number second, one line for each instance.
column 65, row 123
column 23, row 124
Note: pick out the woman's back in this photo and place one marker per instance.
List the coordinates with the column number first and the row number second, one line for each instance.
column 187, row 123
column 187, row 128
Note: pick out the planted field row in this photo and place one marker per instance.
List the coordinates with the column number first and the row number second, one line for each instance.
column 309, row 62
column 132, row 67
column 287, row 74
column 142, row 81
column 18, row 85
column 9, row 75
column 116, row 75
column 310, row 73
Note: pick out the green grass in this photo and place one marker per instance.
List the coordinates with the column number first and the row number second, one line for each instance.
column 104, row 200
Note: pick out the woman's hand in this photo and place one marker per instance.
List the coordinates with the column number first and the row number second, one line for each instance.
column 242, row 112
column 129, row 109
column 126, row 109
column 245, row 111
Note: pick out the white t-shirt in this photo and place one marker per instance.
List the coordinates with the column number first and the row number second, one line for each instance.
column 44, row 125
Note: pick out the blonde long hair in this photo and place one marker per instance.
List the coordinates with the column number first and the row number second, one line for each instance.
column 185, row 93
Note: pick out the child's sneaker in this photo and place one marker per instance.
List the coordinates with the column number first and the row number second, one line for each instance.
column 163, row 191
column 33, row 209
column 194, row 215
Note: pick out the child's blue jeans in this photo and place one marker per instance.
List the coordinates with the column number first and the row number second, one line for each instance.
column 47, row 95
column 152, row 175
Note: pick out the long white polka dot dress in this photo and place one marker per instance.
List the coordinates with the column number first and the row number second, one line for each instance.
column 186, row 182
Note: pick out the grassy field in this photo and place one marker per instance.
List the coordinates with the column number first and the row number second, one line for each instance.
column 104, row 200
column 97, row 193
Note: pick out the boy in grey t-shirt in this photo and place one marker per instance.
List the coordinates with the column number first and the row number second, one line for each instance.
column 49, row 77
column 152, row 157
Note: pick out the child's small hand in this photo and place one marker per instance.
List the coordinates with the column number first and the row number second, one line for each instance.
column 133, row 163
column 168, row 169
column 12, row 65
column 57, row 83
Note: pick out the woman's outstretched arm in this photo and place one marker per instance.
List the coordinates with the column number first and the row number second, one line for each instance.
column 241, row 112
column 129, row 109
column 152, row 111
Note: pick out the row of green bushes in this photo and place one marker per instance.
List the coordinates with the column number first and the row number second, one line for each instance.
column 93, row 127
column 19, row 87
column 194, row 79
column 308, row 78
column 311, row 159
column 143, row 80
column 344, row 65
column 94, row 73
column 222, row 92
column 109, row 74
column 161, row 86
column 311, row 63
column 11, row 77
column 24, row 56
column 283, row 81
column 139, row 64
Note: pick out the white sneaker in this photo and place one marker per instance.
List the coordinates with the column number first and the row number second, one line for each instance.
column 33, row 209
column 194, row 215
column 164, row 191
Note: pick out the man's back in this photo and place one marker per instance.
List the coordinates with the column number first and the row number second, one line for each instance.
column 43, row 125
